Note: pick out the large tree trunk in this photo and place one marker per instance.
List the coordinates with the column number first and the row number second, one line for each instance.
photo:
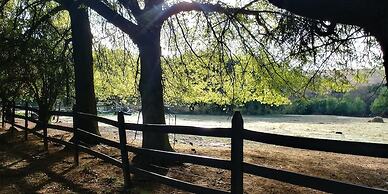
column 384, row 48
column 83, row 61
column 151, row 89
column 43, row 115
column 381, row 34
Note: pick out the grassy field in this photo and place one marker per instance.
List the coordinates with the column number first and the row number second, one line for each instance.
column 316, row 126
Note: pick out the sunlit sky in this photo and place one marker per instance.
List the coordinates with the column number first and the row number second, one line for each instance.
column 96, row 29
column 97, row 32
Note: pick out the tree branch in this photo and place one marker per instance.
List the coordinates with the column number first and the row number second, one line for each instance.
column 44, row 18
column 149, row 4
column 371, row 15
column 353, row 12
column 133, row 6
column 2, row 4
column 113, row 17
column 205, row 7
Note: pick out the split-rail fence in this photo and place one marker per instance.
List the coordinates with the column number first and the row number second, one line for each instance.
column 236, row 164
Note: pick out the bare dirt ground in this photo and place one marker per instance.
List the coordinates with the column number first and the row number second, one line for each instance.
column 26, row 168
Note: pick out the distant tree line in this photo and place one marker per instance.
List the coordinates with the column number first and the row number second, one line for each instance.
column 347, row 104
column 356, row 102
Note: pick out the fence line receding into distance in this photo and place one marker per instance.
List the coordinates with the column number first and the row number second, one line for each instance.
column 236, row 165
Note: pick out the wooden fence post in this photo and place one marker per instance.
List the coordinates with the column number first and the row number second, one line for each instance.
column 3, row 115
column 59, row 109
column 26, row 122
column 13, row 116
column 237, row 155
column 123, row 149
column 45, row 141
column 75, row 135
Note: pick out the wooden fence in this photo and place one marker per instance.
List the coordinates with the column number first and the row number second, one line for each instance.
column 236, row 165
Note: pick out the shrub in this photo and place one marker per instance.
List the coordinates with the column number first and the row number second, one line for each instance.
column 380, row 104
column 298, row 106
column 328, row 105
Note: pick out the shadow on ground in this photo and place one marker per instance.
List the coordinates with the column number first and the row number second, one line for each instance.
column 26, row 168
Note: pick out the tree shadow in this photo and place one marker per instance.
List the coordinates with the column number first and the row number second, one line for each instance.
column 25, row 167
column 19, row 175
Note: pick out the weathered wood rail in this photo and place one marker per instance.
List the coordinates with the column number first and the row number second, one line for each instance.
column 236, row 165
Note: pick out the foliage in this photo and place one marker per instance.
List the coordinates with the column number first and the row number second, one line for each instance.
column 11, row 83
column 380, row 104
column 228, row 60
column 209, row 86
column 328, row 105
column 36, row 55
column 212, row 82
column 213, row 58
column 115, row 76
column 50, row 75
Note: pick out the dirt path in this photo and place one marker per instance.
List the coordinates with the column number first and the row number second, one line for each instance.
column 26, row 168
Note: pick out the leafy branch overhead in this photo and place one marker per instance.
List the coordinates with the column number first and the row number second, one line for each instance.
column 234, row 52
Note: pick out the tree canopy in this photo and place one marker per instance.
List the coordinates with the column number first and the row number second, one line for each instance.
column 36, row 62
column 209, row 51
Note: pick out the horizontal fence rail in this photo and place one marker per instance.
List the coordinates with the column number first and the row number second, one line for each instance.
column 19, row 117
column 61, row 128
column 99, row 138
column 102, row 156
column 181, row 157
column 61, row 113
column 321, row 184
column 30, row 119
column 21, row 127
column 184, row 130
column 343, row 147
column 236, row 165
column 175, row 182
column 97, row 118
column 35, row 110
